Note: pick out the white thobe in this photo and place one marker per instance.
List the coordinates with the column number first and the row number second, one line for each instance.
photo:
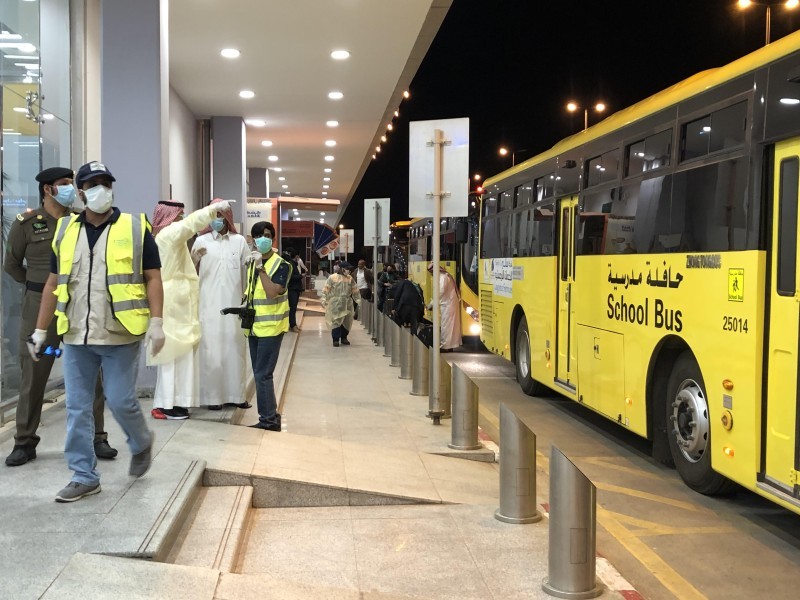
column 177, row 383
column 223, row 344
column 450, row 307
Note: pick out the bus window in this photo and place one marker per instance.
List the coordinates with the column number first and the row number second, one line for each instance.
column 489, row 206
column 542, row 231
column 490, row 238
column 721, row 130
column 602, row 169
column 568, row 176
column 519, row 240
column 524, row 195
column 787, row 232
column 507, row 200
column 648, row 154
column 644, row 206
column 545, row 187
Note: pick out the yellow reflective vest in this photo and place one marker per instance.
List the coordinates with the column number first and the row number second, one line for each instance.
column 124, row 275
column 272, row 314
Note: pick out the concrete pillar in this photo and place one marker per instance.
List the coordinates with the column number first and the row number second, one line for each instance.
column 258, row 182
column 134, row 108
column 229, row 162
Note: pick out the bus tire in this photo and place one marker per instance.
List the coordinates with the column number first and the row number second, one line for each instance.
column 689, row 428
column 523, row 361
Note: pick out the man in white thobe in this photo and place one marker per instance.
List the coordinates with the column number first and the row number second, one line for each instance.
column 450, row 309
column 220, row 254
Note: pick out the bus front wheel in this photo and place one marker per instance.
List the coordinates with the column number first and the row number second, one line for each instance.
column 523, row 363
column 689, row 428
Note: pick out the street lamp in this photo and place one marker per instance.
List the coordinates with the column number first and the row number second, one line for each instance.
column 599, row 107
column 503, row 151
column 788, row 5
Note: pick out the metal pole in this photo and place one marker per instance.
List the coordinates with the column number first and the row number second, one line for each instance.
column 421, row 365
column 388, row 325
column 380, row 326
column 435, row 408
column 769, row 22
column 517, row 471
column 378, row 238
column 464, row 397
column 573, row 525
column 585, row 119
column 443, row 368
column 396, row 332
column 405, row 353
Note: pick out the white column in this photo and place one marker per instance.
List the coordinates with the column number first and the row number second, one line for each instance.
column 229, row 162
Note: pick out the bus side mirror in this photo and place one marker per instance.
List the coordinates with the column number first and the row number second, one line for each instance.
column 462, row 232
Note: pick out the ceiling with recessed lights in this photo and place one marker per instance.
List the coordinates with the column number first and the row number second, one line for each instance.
column 296, row 120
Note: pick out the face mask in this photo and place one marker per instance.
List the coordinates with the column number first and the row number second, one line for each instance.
column 264, row 244
column 218, row 224
column 65, row 195
column 99, row 199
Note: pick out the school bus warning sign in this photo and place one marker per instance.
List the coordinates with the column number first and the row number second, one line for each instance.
column 736, row 285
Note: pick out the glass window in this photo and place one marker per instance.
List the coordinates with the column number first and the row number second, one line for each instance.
column 506, row 200
column 721, row 130
column 490, row 238
column 545, row 187
column 648, row 154
column 504, row 232
column 602, row 169
column 524, row 194
column 519, row 240
column 541, row 230
column 489, row 206
column 564, row 244
column 787, row 228
column 568, row 177
column 695, row 138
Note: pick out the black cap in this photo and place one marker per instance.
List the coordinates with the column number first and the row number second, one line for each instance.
column 52, row 174
column 345, row 266
column 89, row 170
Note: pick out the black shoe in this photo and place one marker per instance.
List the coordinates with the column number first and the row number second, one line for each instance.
column 103, row 450
column 214, row 407
column 345, row 342
column 335, row 343
column 20, row 455
column 244, row 405
column 265, row 427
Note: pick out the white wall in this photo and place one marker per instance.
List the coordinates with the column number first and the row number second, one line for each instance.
column 183, row 167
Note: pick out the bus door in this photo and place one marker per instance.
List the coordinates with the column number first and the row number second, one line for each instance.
column 566, row 371
column 781, row 459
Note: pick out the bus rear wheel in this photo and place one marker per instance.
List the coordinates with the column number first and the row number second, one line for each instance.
column 523, row 362
column 689, row 428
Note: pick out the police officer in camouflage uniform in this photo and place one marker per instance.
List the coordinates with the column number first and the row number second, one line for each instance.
column 28, row 262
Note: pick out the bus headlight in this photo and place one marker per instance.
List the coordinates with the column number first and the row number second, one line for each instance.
column 472, row 312
column 475, row 329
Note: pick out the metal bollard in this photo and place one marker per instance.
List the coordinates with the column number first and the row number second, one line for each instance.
column 573, row 525
column 388, row 326
column 464, row 397
column 379, row 327
column 367, row 308
column 420, row 359
column 396, row 332
column 375, row 316
column 405, row 353
column 517, row 471
column 444, row 387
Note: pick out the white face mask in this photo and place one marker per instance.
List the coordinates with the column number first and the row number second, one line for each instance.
column 99, row 199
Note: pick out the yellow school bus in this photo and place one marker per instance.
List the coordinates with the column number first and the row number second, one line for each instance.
column 458, row 255
column 647, row 268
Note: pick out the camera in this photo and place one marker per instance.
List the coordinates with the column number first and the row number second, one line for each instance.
column 47, row 350
column 246, row 314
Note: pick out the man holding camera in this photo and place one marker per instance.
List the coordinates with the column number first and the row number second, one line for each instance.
column 28, row 262
column 268, row 304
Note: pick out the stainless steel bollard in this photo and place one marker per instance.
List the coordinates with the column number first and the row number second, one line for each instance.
column 367, row 308
column 517, row 471
column 396, row 333
column 573, row 524
column 405, row 353
column 379, row 328
column 464, row 398
column 444, row 386
column 388, row 324
column 420, row 360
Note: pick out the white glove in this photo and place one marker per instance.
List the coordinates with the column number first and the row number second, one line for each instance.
column 155, row 335
column 255, row 257
column 221, row 206
column 36, row 342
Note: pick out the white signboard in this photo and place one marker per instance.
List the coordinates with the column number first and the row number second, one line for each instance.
column 346, row 243
column 455, row 168
column 255, row 212
column 502, row 276
column 369, row 221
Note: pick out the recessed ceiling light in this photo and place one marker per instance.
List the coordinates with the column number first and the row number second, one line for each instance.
column 256, row 122
column 790, row 101
column 329, row 158
column 277, row 169
column 266, row 143
column 335, row 95
column 322, row 220
column 406, row 94
column 324, row 193
column 327, row 169
column 383, row 138
column 332, row 123
column 325, row 187
column 377, row 148
column 230, row 52
column 340, row 55
column 330, row 143
column 397, row 113
column 322, row 214
column 247, row 94
column 326, row 179
column 389, row 126
column 272, row 158
column 374, row 157
column 284, row 186
column 281, row 178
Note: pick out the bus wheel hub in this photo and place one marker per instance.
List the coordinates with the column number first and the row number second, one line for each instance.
column 690, row 420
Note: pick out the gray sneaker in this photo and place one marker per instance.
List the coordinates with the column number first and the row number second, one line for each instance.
column 75, row 491
column 140, row 463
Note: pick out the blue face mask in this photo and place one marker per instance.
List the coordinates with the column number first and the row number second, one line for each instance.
column 264, row 244
column 218, row 224
column 65, row 195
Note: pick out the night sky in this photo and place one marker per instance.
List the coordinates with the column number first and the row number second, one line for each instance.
column 511, row 66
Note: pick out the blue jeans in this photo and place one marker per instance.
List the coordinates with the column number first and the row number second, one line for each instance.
column 264, row 356
column 81, row 367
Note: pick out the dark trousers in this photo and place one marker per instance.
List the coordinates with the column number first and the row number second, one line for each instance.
column 294, row 298
column 408, row 315
column 34, row 380
column 339, row 333
column 264, row 356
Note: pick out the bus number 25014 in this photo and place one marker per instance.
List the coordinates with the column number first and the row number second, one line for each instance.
column 734, row 324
